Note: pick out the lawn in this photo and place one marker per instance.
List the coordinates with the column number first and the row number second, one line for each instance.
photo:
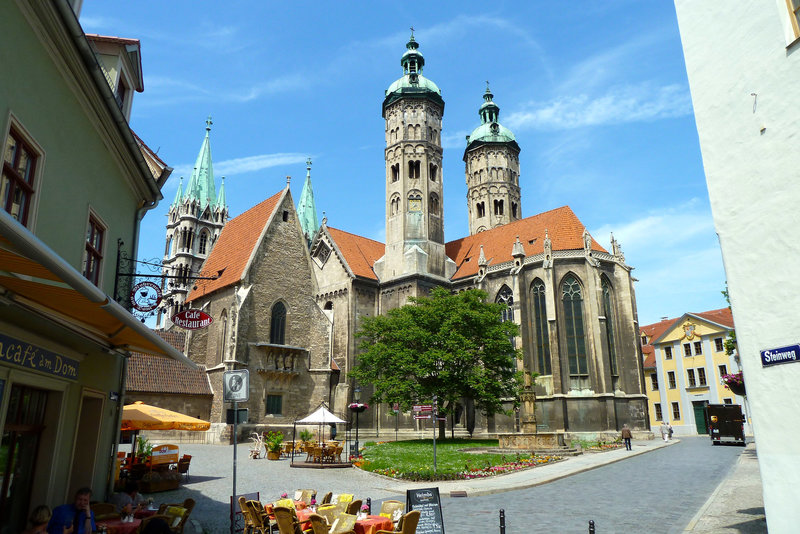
column 413, row 460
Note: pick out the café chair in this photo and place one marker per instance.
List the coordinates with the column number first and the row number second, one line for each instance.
column 287, row 520
column 258, row 517
column 104, row 510
column 406, row 525
column 165, row 519
column 388, row 509
column 183, row 465
column 353, row 507
column 327, row 498
column 318, row 524
column 179, row 514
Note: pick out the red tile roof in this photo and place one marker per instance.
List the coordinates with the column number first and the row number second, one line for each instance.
column 359, row 252
column 112, row 39
column 156, row 374
column 563, row 227
column 722, row 316
column 653, row 331
column 234, row 247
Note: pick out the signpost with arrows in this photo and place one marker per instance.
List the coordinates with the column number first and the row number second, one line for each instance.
column 429, row 411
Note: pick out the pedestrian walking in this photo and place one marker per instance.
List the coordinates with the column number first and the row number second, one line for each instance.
column 626, row 436
column 665, row 428
column 669, row 426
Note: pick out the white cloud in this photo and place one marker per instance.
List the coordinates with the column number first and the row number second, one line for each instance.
column 232, row 167
column 162, row 91
column 621, row 104
column 455, row 140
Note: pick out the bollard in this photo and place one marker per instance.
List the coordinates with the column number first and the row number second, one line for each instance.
column 369, row 506
column 502, row 521
column 591, row 527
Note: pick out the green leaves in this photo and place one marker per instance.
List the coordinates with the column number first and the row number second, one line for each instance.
column 450, row 345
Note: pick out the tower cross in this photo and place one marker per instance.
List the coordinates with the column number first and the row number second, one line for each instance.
column 208, row 123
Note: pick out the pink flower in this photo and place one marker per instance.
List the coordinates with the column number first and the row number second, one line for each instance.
column 364, row 507
column 284, row 495
column 313, row 502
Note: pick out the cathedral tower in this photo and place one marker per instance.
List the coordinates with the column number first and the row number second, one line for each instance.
column 413, row 110
column 492, row 169
column 195, row 219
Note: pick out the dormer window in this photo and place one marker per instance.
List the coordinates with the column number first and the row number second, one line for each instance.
column 121, row 93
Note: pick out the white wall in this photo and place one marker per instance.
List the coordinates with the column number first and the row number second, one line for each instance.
column 751, row 153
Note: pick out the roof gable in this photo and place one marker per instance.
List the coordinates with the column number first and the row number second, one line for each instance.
column 235, row 247
column 359, row 253
column 563, row 227
column 706, row 323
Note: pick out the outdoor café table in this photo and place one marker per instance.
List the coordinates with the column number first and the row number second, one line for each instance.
column 372, row 524
column 116, row 526
column 145, row 512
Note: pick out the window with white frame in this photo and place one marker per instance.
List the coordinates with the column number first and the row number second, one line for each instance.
column 93, row 254
column 671, row 379
column 667, row 353
column 654, row 381
column 718, row 346
column 676, row 411
column 698, row 347
column 18, row 179
column 690, row 377
column 701, row 376
column 659, row 413
column 687, row 349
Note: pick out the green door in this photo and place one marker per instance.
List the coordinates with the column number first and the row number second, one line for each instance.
column 700, row 416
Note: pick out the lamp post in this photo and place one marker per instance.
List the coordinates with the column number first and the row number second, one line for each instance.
column 357, row 399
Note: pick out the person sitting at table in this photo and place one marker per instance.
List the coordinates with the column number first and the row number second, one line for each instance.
column 74, row 518
column 130, row 500
column 39, row 519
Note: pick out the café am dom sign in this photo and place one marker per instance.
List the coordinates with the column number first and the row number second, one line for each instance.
column 192, row 319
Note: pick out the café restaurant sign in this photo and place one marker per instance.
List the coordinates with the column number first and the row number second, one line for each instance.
column 192, row 319
column 22, row 354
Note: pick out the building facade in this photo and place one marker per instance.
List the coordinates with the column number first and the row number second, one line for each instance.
column 76, row 181
column 295, row 329
column 685, row 361
column 742, row 62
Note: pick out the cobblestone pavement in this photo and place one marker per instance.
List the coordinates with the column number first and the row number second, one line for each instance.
column 661, row 491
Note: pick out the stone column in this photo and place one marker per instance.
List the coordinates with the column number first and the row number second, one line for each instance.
column 528, row 406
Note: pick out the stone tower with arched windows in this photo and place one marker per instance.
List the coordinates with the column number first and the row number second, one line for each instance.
column 413, row 109
column 195, row 219
column 492, row 169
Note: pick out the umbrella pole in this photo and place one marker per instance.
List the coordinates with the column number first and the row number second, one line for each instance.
column 294, row 431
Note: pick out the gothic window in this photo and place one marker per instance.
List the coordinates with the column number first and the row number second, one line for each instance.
column 322, row 253
column 277, row 325
column 432, row 172
column 506, row 296
column 541, row 327
column 394, row 207
column 395, row 172
column 481, row 209
column 168, row 248
column 430, row 133
column 189, row 240
column 572, row 299
column 203, row 242
column 498, row 207
column 223, row 322
column 433, row 205
column 514, row 209
column 410, row 131
column 608, row 311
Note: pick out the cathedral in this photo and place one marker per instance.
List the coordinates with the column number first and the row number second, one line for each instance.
column 290, row 292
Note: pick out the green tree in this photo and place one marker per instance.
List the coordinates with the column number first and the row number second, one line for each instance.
column 730, row 341
column 450, row 345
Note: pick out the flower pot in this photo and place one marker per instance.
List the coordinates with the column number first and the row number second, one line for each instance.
column 276, row 455
column 737, row 389
column 358, row 408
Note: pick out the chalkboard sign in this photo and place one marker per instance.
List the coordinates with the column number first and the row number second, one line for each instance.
column 430, row 509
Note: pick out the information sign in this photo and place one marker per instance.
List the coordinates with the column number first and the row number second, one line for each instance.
column 788, row 354
column 429, row 504
column 422, row 408
column 422, row 417
column 236, row 386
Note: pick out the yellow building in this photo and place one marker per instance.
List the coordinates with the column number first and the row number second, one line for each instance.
column 684, row 363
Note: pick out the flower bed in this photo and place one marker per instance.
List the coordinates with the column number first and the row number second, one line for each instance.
column 468, row 473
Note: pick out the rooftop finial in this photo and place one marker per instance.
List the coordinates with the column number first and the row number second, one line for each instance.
column 412, row 33
column 288, row 180
column 208, row 123
column 308, row 164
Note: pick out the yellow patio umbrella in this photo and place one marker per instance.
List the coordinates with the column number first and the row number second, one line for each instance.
column 141, row 416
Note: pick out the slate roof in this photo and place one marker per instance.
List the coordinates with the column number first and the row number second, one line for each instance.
column 156, row 374
column 234, row 247
column 360, row 253
column 563, row 227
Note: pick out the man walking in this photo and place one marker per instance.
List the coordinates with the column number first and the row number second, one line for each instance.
column 626, row 436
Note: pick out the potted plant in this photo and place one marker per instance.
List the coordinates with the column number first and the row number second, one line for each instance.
column 144, row 449
column 306, row 436
column 735, row 383
column 273, row 441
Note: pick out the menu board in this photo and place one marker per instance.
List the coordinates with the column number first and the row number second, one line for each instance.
column 427, row 501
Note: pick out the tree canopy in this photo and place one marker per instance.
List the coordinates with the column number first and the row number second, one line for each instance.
column 450, row 345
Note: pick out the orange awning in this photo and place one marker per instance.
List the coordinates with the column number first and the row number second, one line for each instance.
column 141, row 416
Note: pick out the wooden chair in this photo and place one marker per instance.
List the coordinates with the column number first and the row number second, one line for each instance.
column 406, row 525
column 287, row 520
column 105, row 510
column 343, row 497
column 143, row 526
column 327, row 498
column 183, row 465
column 353, row 507
column 246, row 515
column 258, row 517
column 329, row 512
column 306, row 495
column 389, row 507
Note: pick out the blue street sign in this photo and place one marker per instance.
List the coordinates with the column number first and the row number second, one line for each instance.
column 780, row 355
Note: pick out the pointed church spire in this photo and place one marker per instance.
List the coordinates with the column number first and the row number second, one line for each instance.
column 221, row 197
column 179, row 194
column 201, row 184
column 306, row 209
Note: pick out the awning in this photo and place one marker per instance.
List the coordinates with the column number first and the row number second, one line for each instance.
column 320, row 416
column 141, row 416
column 34, row 276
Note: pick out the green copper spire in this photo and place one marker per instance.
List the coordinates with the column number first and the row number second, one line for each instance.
column 306, row 209
column 179, row 194
column 490, row 130
column 221, row 196
column 201, row 185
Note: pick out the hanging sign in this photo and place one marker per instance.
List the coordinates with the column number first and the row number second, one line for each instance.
column 146, row 296
column 192, row 319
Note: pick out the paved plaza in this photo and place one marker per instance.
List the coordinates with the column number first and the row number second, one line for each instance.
column 663, row 488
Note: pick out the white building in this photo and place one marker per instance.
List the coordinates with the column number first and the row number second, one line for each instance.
column 744, row 70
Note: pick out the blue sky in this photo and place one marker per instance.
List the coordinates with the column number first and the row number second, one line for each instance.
column 596, row 95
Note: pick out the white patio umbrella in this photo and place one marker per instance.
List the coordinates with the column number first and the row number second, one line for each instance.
column 320, row 416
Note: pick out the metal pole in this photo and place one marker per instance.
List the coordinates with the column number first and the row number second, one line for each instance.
column 435, row 423
column 396, row 422
column 502, row 521
column 369, row 506
column 235, row 419
column 356, row 455
column 591, row 527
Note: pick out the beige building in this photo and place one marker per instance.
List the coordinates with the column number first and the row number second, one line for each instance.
column 289, row 312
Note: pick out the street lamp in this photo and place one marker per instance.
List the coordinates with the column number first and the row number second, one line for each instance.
column 357, row 407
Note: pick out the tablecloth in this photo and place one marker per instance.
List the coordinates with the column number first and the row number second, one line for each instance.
column 116, row 526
